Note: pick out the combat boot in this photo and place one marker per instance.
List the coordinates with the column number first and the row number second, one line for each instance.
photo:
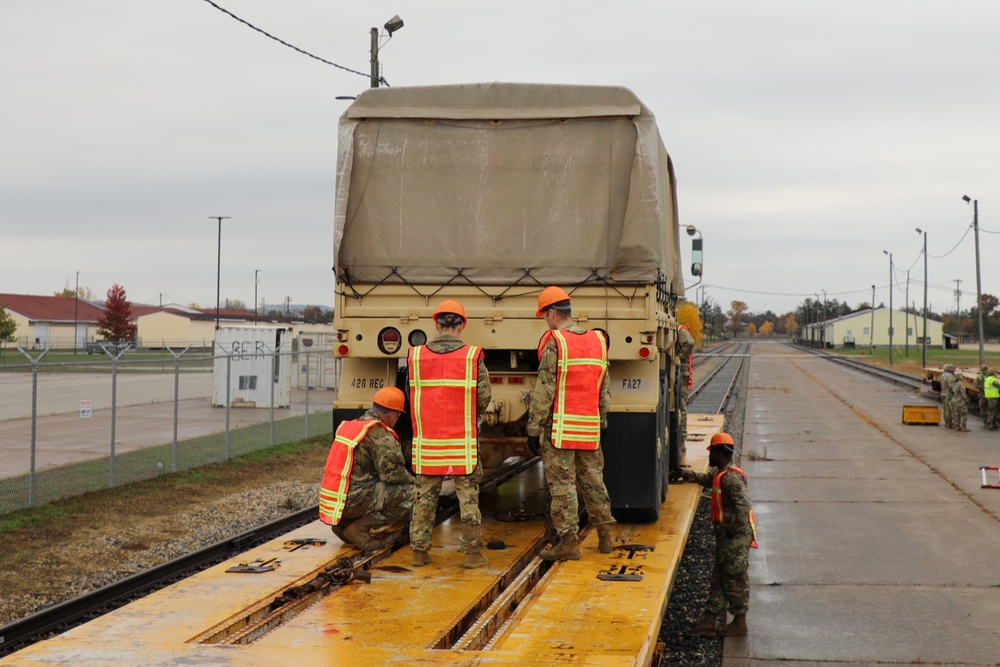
column 359, row 535
column 738, row 628
column 473, row 546
column 605, row 545
column 706, row 628
column 338, row 530
column 567, row 549
column 421, row 558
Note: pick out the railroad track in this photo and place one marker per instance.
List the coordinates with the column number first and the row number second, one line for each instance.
column 893, row 377
column 66, row 615
column 712, row 392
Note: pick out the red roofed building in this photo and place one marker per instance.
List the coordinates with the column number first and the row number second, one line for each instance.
column 49, row 321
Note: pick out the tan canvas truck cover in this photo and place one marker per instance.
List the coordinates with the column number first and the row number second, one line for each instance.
column 495, row 181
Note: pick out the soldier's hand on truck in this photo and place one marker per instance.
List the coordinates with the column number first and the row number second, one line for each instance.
column 534, row 444
column 675, row 475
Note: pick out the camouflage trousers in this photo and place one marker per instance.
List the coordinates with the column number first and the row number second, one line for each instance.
column 682, row 412
column 959, row 410
column 382, row 503
column 730, row 585
column 990, row 416
column 426, row 503
column 564, row 468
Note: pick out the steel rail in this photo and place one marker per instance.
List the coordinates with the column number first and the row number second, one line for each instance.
column 71, row 613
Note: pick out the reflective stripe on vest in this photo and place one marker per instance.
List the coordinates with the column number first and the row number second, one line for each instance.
column 337, row 471
column 443, row 392
column 990, row 388
column 719, row 511
column 582, row 363
column 690, row 372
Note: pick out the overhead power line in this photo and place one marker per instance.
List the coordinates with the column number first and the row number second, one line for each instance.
column 281, row 41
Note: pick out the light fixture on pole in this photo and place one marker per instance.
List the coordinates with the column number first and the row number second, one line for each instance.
column 391, row 26
column 979, row 289
column 256, row 282
column 923, row 358
column 890, row 304
column 218, row 267
column 697, row 260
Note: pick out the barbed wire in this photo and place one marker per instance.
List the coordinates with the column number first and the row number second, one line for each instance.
column 281, row 41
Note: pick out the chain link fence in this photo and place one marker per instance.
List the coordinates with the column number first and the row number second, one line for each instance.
column 71, row 426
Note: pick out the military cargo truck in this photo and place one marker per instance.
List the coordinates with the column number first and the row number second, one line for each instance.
column 487, row 193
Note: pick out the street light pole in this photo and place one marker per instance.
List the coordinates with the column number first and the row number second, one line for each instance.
column 979, row 289
column 76, row 313
column 255, row 283
column 391, row 26
column 871, row 333
column 923, row 360
column 890, row 304
column 218, row 267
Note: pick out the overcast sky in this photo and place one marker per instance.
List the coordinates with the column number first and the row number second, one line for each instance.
column 807, row 137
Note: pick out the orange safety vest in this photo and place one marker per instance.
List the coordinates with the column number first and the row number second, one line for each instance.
column 719, row 512
column 690, row 371
column 443, row 392
column 337, row 471
column 580, row 370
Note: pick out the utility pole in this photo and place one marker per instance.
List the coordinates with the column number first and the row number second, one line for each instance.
column 374, row 77
column 958, row 307
column 906, row 315
column 76, row 314
column 890, row 304
column 979, row 286
column 256, row 282
column 218, row 267
column 871, row 334
column 924, row 335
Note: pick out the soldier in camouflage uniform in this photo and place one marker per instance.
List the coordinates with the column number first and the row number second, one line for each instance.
column 948, row 381
column 958, row 403
column 380, row 490
column 991, row 391
column 980, row 380
column 565, row 468
column 449, row 325
column 735, row 534
column 683, row 349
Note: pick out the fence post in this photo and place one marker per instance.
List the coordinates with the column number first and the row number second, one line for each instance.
column 229, row 384
column 34, row 421
column 177, row 400
column 307, row 393
column 273, row 377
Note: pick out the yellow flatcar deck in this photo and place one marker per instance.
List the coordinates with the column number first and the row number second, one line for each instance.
column 604, row 609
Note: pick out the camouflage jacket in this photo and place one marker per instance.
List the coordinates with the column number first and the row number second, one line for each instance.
column 735, row 499
column 684, row 348
column 542, row 398
column 484, row 391
column 378, row 457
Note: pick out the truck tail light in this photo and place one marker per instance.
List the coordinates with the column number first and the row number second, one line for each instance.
column 644, row 352
column 342, row 350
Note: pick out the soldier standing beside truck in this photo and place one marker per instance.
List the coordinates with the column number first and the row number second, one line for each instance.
column 568, row 413
column 449, row 390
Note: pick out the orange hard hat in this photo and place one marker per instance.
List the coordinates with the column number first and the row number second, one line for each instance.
column 450, row 306
column 549, row 296
column 721, row 439
column 389, row 398
column 685, row 327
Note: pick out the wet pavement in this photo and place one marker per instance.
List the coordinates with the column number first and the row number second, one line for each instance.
column 877, row 544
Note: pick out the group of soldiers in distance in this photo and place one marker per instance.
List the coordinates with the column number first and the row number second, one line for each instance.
column 954, row 398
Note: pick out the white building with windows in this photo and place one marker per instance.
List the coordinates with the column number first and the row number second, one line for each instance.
column 870, row 328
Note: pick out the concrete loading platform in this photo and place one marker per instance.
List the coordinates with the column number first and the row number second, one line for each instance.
column 877, row 543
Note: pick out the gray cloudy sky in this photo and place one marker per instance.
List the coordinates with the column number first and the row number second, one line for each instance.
column 808, row 137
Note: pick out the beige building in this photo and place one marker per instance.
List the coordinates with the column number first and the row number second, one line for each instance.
column 45, row 322
column 867, row 328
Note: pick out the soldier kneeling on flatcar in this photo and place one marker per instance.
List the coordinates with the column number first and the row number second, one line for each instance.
column 366, row 484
